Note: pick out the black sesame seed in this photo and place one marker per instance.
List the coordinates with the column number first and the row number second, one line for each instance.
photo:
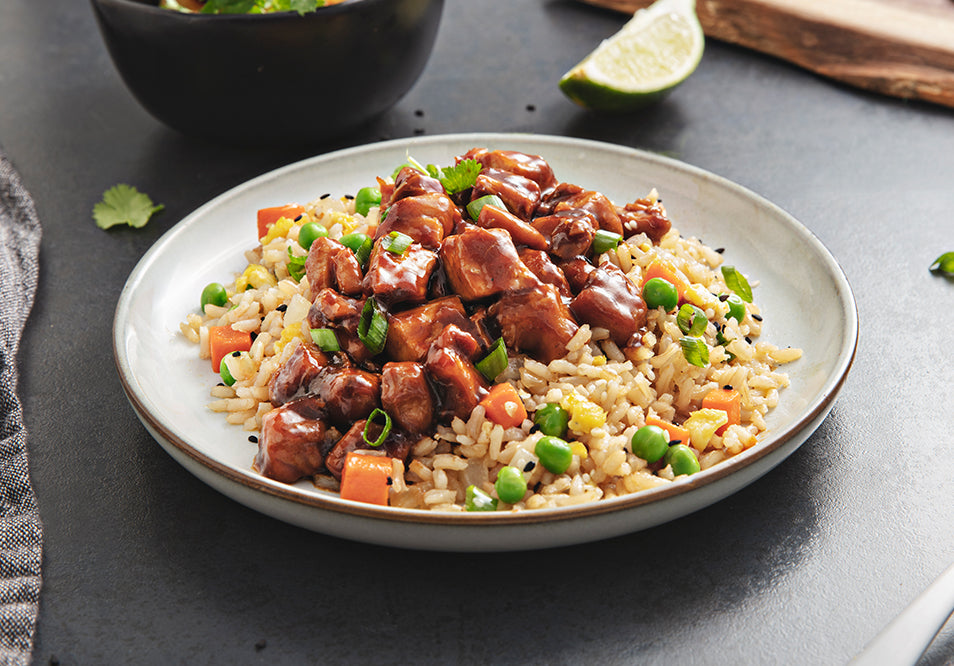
column 253, row 439
column 724, row 297
column 253, row 335
column 419, row 112
column 324, row 196
column 531, row 107
column 748, row 339
column 390, row 481
column 282, row 307
column 757, row 317
column 720, row 250
column 299, row 217
column 236, row 354
column 220, row 384
column 728, row 387
column 349, row 197
column 529, row 466
column 673, row 442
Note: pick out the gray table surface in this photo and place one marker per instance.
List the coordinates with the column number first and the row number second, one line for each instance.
column 145, row 564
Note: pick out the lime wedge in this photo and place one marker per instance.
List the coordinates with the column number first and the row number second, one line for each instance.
column 653, row 53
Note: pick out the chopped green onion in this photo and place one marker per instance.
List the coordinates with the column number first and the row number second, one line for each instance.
column 476, row 499
column 944, row 264
column 604, row 241
column 691, row 320
column 695, row 351
column 735, row 281
column 411, row 162
column 296, row 265
column 385, row 429
column 722, row 340
column 373, row 326
column 225, row 373
column 474, row 207
column 359, row 244
column 396, row 242
column 495, row 361
column 326, row 339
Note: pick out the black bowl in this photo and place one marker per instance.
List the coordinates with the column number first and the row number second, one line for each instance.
column 270, row 78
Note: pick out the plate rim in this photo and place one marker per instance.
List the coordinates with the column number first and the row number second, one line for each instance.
column 250, row 480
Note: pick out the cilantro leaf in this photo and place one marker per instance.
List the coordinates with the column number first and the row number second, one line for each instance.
column 124, row 204
column 458, row 178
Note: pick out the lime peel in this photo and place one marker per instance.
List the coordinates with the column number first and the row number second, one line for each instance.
column 654, row 52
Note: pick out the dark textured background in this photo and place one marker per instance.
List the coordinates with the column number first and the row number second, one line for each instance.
column 145, row 564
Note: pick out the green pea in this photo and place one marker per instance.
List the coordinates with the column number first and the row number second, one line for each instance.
column 554, row 454
column 478, row 500
column 682, row 459
column 366, row 199
column 213, row 294
column 658, row 292
column 552, row 419
column 736, row 307
column 650, row 443
column 309, row 232
column 227, row 377
column 510, row 485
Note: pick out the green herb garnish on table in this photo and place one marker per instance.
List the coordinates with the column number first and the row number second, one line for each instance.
column 124, row 204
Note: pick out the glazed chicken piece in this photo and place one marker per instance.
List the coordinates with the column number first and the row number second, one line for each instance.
column 411, row 332
column 296, row 372
column 568, row 197
column 645, row 216
column 349, row 393
column 533, row 167
column 406, row 396
column 576, row 271
column 410, row 182
column 450, row 364
column 483, row 262
column 291, row 441
column 521, row 232
column 426, row 218
column 520, row 194
column 535, row 321
column 610, row 300
column 399, row 278
column 569, row 232
column 331, row 265
column 545, row 270
column 342, row 314
column 396, row 445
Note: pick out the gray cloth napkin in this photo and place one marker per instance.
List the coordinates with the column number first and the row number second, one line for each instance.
column 21, row 536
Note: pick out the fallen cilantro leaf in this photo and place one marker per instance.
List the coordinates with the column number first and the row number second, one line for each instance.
column 944, row 264
column 124, row 204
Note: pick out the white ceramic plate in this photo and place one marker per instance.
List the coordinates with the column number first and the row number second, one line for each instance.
column 803, row 293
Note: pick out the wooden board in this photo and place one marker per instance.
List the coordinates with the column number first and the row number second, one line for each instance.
column 903, row 48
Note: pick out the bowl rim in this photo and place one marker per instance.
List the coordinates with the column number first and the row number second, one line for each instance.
column 152, row 7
